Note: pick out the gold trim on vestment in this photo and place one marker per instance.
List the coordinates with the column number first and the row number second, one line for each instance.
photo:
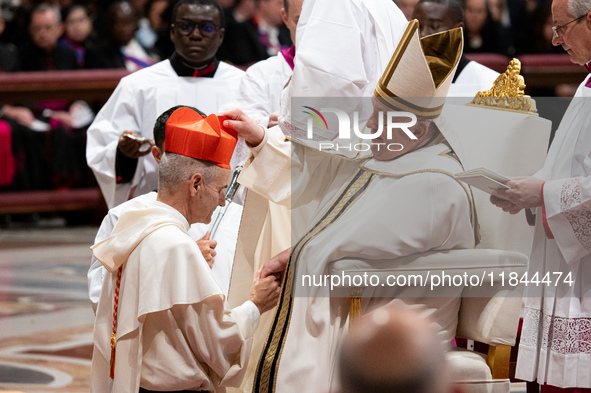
column 266, row 376
column 449, row 153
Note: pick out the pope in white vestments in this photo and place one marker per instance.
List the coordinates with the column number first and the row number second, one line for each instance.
column 378, row 208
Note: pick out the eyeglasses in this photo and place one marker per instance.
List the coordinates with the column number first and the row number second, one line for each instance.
column 556, row 29
column 206, row 28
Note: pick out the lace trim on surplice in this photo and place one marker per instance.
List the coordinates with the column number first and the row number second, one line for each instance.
column 578, row 216
column 559, row 334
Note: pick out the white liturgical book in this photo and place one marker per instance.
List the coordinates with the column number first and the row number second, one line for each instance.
column 485, row 180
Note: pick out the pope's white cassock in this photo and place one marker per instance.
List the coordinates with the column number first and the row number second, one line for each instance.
column 379, row 210
column 135, row 105
column 355, row 208
column 354, row 41
column 555, row 345
column 175, row 331
column 226, row 237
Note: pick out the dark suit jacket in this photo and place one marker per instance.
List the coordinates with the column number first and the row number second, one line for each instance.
column 9, row 61
column 105, row 54
column 242, row 46
column 33, row 58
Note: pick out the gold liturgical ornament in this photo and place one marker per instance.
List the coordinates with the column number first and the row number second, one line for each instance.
column 507, row 92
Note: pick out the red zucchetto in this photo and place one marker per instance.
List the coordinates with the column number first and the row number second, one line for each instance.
column 193, row 135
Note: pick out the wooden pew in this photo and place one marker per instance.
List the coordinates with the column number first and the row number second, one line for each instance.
column 89, row 85
column 539, row 71
column 29, row 87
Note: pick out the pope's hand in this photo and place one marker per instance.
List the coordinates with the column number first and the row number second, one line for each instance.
column 264, row 292
column 207, row 248
column 252, row 133
column 525, row 192
column 507, row 206
column 131, row 146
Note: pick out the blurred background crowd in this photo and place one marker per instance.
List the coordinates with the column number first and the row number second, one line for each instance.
column 132, row 34
column 70, row 35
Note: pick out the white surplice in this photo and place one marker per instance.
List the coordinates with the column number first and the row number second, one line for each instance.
column 341, row 52
column 555, row 345
column 175, row 330
column 259, row 93
column 226, row 237
column 135, row 105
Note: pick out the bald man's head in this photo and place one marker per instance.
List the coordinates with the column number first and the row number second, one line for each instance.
column 393, row 349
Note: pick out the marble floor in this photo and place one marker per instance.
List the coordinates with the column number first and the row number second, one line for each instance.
column 45, row 315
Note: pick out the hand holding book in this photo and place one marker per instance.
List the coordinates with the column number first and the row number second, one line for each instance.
column 486, row 180
column 510, row 194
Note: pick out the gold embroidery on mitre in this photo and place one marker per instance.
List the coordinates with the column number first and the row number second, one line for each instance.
column 507, row 93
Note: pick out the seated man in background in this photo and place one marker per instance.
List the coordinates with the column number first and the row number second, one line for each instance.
column 43, row 53
column 66, row 166
column 162, row 323
column 256, row 38
column 394, row 349
column 119, row 49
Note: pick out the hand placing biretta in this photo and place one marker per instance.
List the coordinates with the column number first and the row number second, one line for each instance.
column 193, row 135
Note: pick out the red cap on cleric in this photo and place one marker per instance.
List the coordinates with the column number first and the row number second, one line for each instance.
column 193, row 135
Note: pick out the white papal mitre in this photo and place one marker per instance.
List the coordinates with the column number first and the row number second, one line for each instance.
column 421, row 71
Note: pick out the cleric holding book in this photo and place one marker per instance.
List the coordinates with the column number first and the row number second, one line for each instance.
column 555, row 347
column 162, row 322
